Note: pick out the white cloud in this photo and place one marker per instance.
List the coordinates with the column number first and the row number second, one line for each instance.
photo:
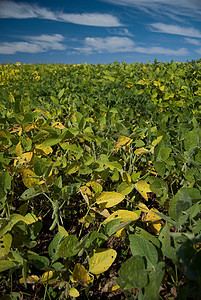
column 120, row 31
column 162, row 51
column 175, row 29
column 34, row 44
column 183, row 7
column 123, row 44
column 11, row 9
column 192, row 41
column 92, row 19
column 20, row 10
column 109, row 45
column 13, row 47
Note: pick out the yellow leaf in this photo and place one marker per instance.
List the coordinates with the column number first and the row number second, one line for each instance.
column 109, row 199
column 30, row 279
column 115, row 287
column 156, row 83
column 24, row 158
column 155, row 227
column 121, row 233
column 28, row 127
column 122, row 141
column 143, row 188
column 154, row 224
column 97, row 187
column 103, row 212
column 46, row 276
column 162, row 88
column 29, row 218
column 2, row 134
column 126, row 177
column 46, row 149
column 5, row 244
column 16, row 128
column 143, row 207
column 58, row 125
column 151, row 216
column 141, row 151
column 80, row 274
column 124, row 215
column 29, row 178
column 74, row 292
column 157, row 141
column 101, row 260
column 197, row 247
column 85, row 190
column 18, row 149
column 62, row 230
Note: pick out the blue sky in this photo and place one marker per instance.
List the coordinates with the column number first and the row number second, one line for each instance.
column 99, row 31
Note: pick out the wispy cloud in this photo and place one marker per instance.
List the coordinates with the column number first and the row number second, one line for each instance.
column 109, row 45
column 162, row 51
column 123, row 44
column 20, row 10
column 175, row 29
column 92, row 19
column 120, row 31
column 34, row 44
column 192, row 41
column 183, row 7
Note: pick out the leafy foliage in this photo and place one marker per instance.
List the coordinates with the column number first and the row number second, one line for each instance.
column 94, row 154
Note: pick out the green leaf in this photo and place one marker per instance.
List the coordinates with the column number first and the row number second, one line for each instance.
column 115, row 176
column 74, row 167
column 132, row 274
column 34, row 229
column 5, row 245
column 60, row 94
column 155, row 279
column 193, row 211
column 39, row 262
column 30, row 193
column 164, row 238
column 147, row 236
column 40, row 165
column 114, row 165
column 198, row 157
column 165, row 153
column 92, row 239
column 68, row 247
column 5, row 181
column 6, row 265
column 191, row 140
column 140, row 246
column 125, row 188
column 160, row 188
column 183, row 200
column 54, row 245
column 51, row 141
column 117, row 227
column 110, row 225
column 14, row 219
column 160, row 167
